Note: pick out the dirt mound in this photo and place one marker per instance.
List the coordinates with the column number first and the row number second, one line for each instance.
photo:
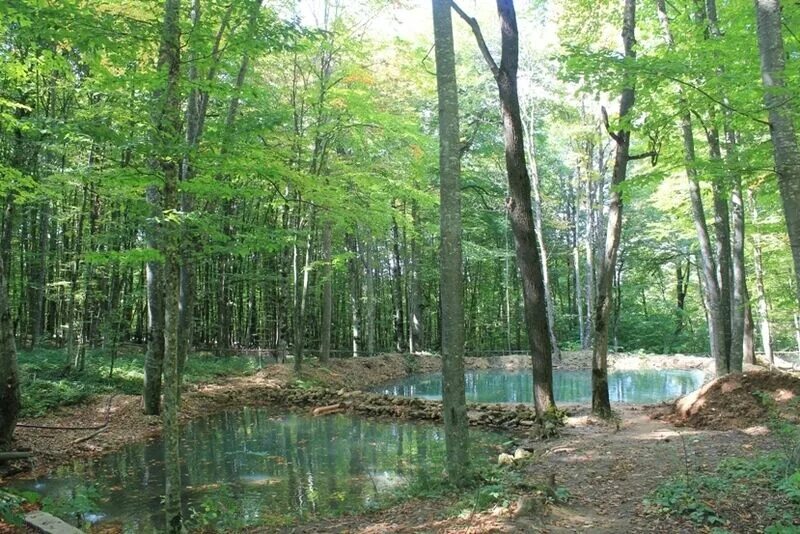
column 733, row 401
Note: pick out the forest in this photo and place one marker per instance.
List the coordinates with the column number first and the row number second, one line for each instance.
column 404, row 265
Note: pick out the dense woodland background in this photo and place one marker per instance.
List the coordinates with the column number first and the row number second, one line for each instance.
column 308, row 176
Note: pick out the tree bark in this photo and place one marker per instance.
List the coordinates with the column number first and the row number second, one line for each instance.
column 167, row 126
column 708, row 279
column 9, row 373
column 327, row 293
column 518, row 204
column 454, row 407
column 761, row 294
column 601, row 404
column 778, row 100
column 395, row 266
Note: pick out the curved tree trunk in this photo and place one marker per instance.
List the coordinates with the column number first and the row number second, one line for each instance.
column 518, row 204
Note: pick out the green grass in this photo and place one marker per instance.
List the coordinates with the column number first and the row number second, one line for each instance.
column 47, row 385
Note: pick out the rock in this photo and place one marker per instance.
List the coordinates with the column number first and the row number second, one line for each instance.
column 521, row 454
column 505, row 459
column 526, row 422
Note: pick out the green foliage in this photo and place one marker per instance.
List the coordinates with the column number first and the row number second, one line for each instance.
column 217, row 512
column 75, row 505
column 702, row 497
column 48, row 384
column 11, row 505
column 682, row 497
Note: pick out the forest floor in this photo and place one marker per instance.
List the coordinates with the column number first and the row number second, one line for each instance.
column 607, row 468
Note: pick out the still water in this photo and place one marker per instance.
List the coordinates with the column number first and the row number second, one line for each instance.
column 494, row 385
column 251, row 466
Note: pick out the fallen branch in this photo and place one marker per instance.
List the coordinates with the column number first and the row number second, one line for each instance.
column 16, row 455
column 327, row 410
column 96, row 427
column 90, row 436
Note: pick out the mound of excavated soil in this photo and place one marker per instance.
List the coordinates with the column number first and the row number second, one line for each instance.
column 732, row 401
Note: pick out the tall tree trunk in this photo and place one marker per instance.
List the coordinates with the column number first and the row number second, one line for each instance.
column 600, row 400
column 395, row 266
column 415, row 287
column 530, row 153
column 369, row 260
column 711, row 289
column 761, row 294
column 9, row 373
column 355, row 294
column 454, row 406
column 518, row 204
column 778, row 100
column 327, row 293
column 167, row 126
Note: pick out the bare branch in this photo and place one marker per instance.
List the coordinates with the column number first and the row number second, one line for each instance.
column 476, row 30
column 613, row 135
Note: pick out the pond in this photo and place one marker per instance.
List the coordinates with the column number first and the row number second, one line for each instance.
column 251, row 466
column 496, row 385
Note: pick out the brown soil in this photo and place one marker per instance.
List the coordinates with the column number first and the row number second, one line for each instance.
column 733, row 401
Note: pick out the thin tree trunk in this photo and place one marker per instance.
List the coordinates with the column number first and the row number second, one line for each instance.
column 601, row 404
column 778, row 100
column 370, row 296
column 397, row 289
column 454, row 407
column 355, row 295
column 761, row 294
column 415, row 287
column 327, row 293
column 167, row 125
column 709, row 280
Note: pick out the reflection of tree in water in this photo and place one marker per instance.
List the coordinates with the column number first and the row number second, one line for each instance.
column 252, row 465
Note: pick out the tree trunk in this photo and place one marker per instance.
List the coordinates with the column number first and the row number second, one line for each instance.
column 454, row 407
column 537, row 222
column 397, row 289
column 761, row 294
column 355, row 295
column 518, row 204
column 601, row 404
column 415, row 287
column 167, row 125
column 709, row 280
column 370, row 296
column 9, row 373
column 154, row 358
column 327, row 293
column 778, row 100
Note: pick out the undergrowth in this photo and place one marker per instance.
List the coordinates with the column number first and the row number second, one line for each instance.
column 767, row 486
column 47, row 384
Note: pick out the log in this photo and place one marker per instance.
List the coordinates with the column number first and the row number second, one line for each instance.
column 327, row 410
column 15, row 455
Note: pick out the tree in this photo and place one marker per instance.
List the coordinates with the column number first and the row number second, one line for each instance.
column 9, row 374
column 451, row 287
column 608, row 265
column 518, row 204
column 777, row 99
column 167, row 126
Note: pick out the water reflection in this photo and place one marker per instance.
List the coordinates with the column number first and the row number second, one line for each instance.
column 639, row 387
column 253, row 466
